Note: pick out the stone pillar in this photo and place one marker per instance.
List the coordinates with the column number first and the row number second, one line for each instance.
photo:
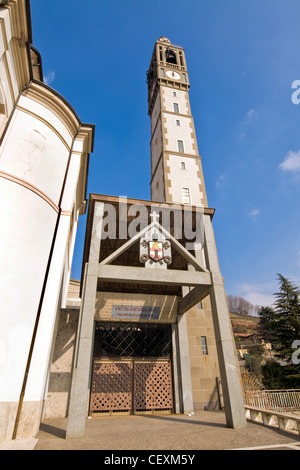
column 176, row 370
column 85, row 337
column 187, row 403
column 230, row 377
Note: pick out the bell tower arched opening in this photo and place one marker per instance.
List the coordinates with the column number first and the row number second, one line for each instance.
column 171, row 57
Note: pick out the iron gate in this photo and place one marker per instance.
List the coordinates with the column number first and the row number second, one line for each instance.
column 136, row 386
column 128, row 383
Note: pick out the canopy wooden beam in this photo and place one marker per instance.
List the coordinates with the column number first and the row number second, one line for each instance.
column 192, row 298
column 113, row 273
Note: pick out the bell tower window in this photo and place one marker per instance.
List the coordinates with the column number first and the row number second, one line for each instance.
column 171, row 56
column 186, row 196
column 180, row 146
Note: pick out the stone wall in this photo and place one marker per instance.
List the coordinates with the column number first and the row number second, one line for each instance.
column 204, row 368
column 56, row 404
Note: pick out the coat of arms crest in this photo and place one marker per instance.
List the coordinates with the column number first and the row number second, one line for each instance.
column 156, row 251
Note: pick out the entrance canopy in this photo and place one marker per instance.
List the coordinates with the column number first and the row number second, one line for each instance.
column 182, row 262
column 125, row 222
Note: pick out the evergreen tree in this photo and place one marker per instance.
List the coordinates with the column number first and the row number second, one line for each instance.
column 266, row 326
column 281, row 325
column 286, row 327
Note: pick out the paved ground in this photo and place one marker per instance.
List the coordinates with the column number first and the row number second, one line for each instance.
column 203, row 431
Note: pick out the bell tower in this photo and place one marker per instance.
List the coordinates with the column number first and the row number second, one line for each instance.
column 203, row 319
column 176, row 169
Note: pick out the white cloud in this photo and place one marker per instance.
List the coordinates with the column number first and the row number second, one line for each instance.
column 49, row 78
column 221, row 180
column 257, row 298
column 291, row 161
column 247, row 122
column 252, row 113
column 254, row 213
column 258, row 294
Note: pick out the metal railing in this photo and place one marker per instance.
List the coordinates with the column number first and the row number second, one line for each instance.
column 275, row 400
column 279, row 408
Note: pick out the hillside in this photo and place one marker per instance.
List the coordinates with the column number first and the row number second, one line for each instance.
column 244, row 323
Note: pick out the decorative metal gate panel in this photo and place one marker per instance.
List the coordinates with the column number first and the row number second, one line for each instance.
column 137, row 386
column 152, row 386
column 111, row 387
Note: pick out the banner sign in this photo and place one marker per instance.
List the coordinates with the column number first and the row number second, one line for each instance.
column 136, row 312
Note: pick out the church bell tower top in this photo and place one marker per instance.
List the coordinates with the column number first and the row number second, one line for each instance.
column 176, row 170
column 167, row 68
column 164, row 39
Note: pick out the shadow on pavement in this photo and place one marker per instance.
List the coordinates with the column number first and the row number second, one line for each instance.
column 182, row 420
column 57, row 432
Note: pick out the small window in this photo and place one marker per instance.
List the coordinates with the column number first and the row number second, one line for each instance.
column 160, row 53
column 162, row 72
column 174, row 93
column 186, row 197
column 180, row 146
column 177, row 122
column 184, row 77
column 182, row 165
column 181, row 58
column 176, row 107
column 204, row 345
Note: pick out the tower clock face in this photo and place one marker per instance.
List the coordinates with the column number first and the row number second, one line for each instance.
column 173, row 75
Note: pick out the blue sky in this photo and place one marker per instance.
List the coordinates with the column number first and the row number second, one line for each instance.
column 242, row 57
